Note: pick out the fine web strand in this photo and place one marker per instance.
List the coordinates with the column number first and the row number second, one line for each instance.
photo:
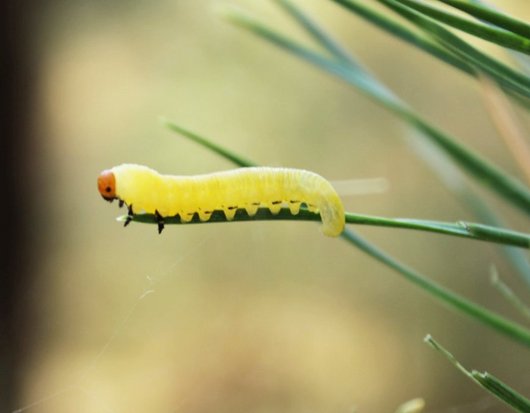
column 79, row 385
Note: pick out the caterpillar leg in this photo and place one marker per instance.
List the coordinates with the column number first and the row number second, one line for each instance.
column 186, row 216
column 252, row 208
column 230, row 212
column 130, row 215
column 294, row 207
column 275, row 207
column 312, row 208
column 204, row 215
column 159, row 221
column 120, row 203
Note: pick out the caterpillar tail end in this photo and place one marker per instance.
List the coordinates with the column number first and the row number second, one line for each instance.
column 332, row 230
column 333, row 219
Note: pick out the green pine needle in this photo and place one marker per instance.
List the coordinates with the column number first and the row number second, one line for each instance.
column 492, row 16
column 459, row 229
column 490, row 33
column 487, row 381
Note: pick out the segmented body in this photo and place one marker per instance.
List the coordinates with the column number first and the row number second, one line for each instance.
column 245, row 188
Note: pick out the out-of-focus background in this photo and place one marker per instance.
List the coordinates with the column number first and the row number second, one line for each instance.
column 243, row 317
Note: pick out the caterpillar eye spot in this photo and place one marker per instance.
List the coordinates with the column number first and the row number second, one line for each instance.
column 245, row 188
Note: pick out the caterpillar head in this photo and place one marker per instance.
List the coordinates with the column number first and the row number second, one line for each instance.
column 107, row 185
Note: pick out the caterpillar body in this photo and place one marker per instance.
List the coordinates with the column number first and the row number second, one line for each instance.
column 144, row 190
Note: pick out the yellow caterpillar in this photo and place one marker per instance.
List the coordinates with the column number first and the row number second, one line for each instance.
column 147, row 191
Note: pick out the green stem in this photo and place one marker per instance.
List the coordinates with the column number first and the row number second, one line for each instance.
column 490, row 33
column 483, row 62
column 508, row 293
column 404, row 33
column 231, row 156
column 511, row 329
column 492, row 16
column 327, row 42
column 487, row 381
column 460, row 229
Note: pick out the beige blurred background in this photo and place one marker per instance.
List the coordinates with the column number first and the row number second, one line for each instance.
column 245, row 317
